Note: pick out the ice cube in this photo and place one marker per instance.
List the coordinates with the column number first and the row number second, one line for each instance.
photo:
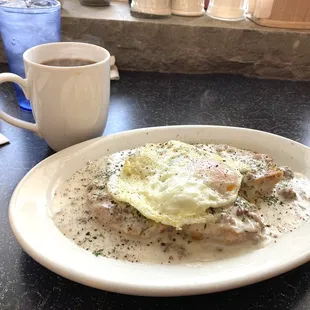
column 42, row 3
column 14, row 3
column 28, row 3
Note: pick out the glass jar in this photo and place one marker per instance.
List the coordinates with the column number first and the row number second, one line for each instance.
column 188, row 7
column 231, row 10
column 95, row 2
column 151, row 8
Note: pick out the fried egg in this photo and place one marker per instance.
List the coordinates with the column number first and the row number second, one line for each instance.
column 175, row 183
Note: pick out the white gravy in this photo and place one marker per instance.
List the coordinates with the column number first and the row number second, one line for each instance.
column 75, row 220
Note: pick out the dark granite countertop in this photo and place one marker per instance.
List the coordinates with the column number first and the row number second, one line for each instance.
column 147, row 99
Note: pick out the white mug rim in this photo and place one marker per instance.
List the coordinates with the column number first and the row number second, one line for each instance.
column 62, row 44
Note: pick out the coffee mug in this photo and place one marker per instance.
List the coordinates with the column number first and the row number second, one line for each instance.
column 69, row 103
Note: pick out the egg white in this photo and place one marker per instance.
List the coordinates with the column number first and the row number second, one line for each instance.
column 175, row 183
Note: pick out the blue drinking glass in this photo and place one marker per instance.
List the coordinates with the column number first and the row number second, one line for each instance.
column 24, row 24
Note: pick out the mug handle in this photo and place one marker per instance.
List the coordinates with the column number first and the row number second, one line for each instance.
column 9, row 77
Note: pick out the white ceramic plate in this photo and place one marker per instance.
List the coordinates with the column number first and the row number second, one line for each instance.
column 40, row 238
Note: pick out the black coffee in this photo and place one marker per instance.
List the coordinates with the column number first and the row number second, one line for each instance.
column 68, row 62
